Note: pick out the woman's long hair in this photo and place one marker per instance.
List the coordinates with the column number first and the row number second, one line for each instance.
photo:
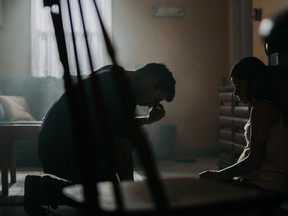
column 279, row 81
column 254, row 72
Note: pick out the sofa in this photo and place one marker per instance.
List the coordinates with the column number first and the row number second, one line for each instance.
column 28, row 98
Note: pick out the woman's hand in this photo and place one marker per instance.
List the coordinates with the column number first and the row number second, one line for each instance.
column 213, row 174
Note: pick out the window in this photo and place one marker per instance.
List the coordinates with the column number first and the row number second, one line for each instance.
column 44, row 52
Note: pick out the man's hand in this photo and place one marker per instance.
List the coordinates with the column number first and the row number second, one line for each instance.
column 156, row 113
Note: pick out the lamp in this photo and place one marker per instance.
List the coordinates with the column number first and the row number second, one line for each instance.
column 274, row 32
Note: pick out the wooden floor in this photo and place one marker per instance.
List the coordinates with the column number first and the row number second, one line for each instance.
column 166, row 168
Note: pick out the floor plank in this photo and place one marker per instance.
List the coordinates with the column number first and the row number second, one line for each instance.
column 165, row 168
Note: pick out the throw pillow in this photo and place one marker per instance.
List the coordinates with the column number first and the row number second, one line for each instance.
column 16, row 108
column 2, row 113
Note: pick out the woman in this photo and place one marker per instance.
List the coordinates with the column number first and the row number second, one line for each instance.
column 264, row 161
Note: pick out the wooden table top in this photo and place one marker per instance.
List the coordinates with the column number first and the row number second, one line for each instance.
column 182, row 192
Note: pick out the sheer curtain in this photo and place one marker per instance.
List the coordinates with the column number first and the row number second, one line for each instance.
column 44, row 52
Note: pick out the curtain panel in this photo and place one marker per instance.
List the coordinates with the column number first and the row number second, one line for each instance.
column 44, row 52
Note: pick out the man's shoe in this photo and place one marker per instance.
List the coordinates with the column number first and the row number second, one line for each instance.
column 32, row 196
column 40, row 191
column 51, row 191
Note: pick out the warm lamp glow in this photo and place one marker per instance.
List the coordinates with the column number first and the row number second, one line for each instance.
column 265, row 27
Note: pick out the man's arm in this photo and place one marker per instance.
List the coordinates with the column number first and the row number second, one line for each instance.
column 261, row 115
column 156, row 113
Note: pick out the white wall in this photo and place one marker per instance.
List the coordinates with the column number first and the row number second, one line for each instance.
column 15, row 37
column 195, row 48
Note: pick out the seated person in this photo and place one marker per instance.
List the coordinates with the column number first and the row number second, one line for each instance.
column 148, row 85
column 263, row 163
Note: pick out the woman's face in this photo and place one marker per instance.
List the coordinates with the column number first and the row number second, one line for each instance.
column 240, row 89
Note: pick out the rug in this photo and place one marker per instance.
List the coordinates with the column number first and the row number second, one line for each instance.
column 11, row 201
column 16, row 190
column 16, row 195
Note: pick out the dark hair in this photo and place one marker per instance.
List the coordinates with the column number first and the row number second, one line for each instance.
column 279, row 80
column 251, row 69
column 165, row 82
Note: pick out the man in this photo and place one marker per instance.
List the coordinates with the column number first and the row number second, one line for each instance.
column 148, row 86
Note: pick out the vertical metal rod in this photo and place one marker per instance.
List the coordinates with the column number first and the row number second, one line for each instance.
column 107, row 142
column 145, row 153
column 79, row 129
column 90, row 194
column 74, row 41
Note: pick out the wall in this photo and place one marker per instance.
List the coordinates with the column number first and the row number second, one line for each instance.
column 240, row 30
column 195, row 48
column 15, row 37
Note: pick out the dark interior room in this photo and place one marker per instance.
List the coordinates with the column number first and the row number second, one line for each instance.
column 186, row 132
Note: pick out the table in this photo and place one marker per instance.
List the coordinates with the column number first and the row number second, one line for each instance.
column 10, row 132
column 186, row 195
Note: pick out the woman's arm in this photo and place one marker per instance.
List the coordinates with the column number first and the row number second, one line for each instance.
column 261, row 117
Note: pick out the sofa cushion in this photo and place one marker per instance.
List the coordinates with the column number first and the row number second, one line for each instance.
column 39, row 92
column 16, row 108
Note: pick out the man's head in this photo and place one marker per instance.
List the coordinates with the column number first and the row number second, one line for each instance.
column 153, row 83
